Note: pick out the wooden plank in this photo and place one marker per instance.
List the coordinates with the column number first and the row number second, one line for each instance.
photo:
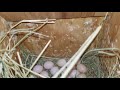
column 17, row 16
column 71, row 14
column 84, row 14
column 90, row 14
column 116, row 18
column 99, row 13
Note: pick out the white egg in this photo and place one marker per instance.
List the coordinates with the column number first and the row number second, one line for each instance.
column 61, row 62
column 38, row 68
column 81, row 68
column 77, row 73
column 48, row 65
column 81, row 76
column 74, row 73
column 54, row 70
column 44, row 73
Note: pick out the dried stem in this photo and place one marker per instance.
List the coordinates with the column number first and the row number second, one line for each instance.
column 19, row 58
column 15, row 63
column 27, row 35
column 39, row 56
column 81, row 51
column 35, row 21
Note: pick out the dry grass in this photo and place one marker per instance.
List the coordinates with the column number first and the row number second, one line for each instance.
column 9, row 67
column 94, row 59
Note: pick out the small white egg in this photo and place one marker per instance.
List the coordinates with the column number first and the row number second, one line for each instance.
column 44, row 73
column 81, row 76
column 61, row 62
column 48, row 65
column 81, row 68
column 77, row 73
column 38, row 68
column 74, row 73
column 54, row 70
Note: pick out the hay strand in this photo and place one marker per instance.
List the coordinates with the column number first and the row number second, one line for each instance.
column 39, row 56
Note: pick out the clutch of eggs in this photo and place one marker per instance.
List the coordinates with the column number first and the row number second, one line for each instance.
column 77, row 72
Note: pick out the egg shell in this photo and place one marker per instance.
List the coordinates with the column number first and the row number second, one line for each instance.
column 61, row 62
column 54, row 70
column 48, row 65
column 37, row 68
column 74, row 73
column 81, row 76
column 81, row 68
column 44, row 73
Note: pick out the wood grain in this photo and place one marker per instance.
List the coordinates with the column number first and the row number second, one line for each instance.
column 17, row 16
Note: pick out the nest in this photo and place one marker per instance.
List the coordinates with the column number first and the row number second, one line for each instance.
column 96, row 60
column 10, row 67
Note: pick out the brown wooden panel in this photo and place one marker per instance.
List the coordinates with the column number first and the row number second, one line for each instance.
column 111, row 29
column 90, row 14
column 16, row 16
column 99, row 13
column 13, row 16
column 115, row 18
column 84, row 14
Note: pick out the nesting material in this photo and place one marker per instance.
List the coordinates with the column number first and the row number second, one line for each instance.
column 12, row 65
column 94, row 59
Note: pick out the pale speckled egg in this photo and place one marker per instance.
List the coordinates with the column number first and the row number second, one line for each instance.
column 74, row 73
column 61, row 62
column 48, row 65
column 81, row 68
column 44, row 73
column 81, row 76
column 54, row 70
column 37, row 68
